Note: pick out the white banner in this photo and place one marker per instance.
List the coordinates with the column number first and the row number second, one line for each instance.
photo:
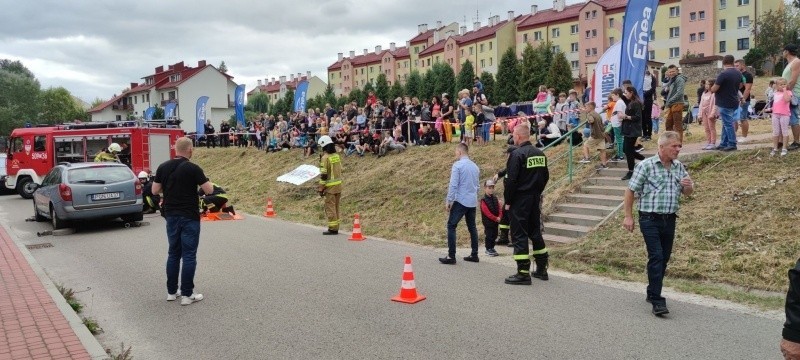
column 300, row 175
column 606, row 76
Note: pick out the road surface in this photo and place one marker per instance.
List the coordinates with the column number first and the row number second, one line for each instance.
column 280, row 290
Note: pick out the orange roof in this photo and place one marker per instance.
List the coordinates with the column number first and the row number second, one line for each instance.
column 482, row 33
column 402, row 52
column 276, row 86
column 551, row 16
column 422, row 36
column 433, row 48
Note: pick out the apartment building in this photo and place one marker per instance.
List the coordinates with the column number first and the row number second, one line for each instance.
column 276, row 89
column 179, row 84
column 582, row 31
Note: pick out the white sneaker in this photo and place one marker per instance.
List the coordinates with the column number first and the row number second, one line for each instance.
column 188, row 300
column 173, row 297
column 742, row 139
column 773, row 152
column 784, row 152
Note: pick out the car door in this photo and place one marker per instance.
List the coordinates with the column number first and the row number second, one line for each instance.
column 44, row 193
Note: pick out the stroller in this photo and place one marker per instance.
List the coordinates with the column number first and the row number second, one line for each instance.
column 690, row 117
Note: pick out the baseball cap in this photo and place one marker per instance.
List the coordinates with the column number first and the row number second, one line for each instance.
column 488, row 183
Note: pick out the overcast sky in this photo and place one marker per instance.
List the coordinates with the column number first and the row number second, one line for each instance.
column 96, row 48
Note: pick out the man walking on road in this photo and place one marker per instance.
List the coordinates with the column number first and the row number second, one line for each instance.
column 726, row 98
column 178, row 180
column 526, row 178
column 461, row 201
column 791, row 73
column 674, row 101
column 659, row 181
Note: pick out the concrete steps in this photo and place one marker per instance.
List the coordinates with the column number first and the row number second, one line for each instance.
column 559, row 239
column 607, row 181
column 575, row 219
column 585, row 209
column 566, row 230
column 593, row 199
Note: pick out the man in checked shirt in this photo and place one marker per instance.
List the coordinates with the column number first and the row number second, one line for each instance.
column 658, row 181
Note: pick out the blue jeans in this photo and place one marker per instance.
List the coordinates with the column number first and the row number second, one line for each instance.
column 184, row 237
column 659, row 232
column 458, row 211
column 744, row 112
column 728, row 136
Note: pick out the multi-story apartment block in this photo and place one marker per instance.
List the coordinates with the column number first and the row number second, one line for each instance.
column 276, row 89
column 179, row 84
column 582, row 31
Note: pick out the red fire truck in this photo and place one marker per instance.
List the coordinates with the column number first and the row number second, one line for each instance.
column 32, row 152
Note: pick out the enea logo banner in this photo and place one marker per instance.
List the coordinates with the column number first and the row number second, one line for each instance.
column 639, row 18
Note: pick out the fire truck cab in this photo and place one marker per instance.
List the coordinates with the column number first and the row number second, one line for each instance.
column 32, row 152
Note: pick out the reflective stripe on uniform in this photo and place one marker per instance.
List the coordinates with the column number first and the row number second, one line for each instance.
column 524, row 271
column 332, row 183
column 505, row 226
column 522, row 257
column 539, row 252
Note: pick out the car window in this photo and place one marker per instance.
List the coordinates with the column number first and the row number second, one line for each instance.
column 99, row 175
column 53, row 177
column 16, row 144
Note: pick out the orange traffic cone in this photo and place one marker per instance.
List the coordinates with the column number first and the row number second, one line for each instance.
column 408, row 291
column 270, row 211
column 356, row 236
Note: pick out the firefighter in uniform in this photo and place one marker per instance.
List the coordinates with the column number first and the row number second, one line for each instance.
column 330, row 183
column 216, row 201
column 504, row 220
column 109, row 154
column 151, row 201
column 526, row 178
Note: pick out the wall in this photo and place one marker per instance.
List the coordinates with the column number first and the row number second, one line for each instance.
column 208, row 82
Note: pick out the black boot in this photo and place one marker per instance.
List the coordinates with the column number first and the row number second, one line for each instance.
column 330, row 232
column 503, row 237
column 522, row 277
column 628, row 175
column 541, row 267
column 229, row 210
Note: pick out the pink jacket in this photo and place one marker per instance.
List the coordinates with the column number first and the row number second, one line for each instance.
column 708, row 110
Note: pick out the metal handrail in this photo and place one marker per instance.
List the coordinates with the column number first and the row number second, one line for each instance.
column 568, row 153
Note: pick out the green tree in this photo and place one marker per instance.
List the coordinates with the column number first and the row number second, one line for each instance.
column 487, row 79
column 444, row 80
column 222, row 67
column 414, row 84
column 382, row 88
column 159, row 113
column 356, row 95
column 56, row 105
column 329, row 97
column 755, row 57
column 97, row 102
column 396, row 90
column 427, row 88
column 258, row 102
column 367, row 88
column 19, row 93
column 288, row 100
column 340, row 102
column 466, row 77
column 506, row 89
column 560, row 75
column 773, row 30
column 532, row 72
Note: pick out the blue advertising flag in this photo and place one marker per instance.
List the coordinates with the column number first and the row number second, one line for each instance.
column 639, row 19
column 300, row 96
column 169, row 110
column 148, row 114
column 239, row 104
column 201, row 114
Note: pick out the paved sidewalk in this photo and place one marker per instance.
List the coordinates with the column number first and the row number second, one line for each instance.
column 32, row 325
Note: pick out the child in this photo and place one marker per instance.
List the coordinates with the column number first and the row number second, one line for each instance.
column 480, row 119
column 656, row 116
column 469, row 126
column 616, row 123
column 491, row 213
column 708, row 115
column 542, row 101
column 781, row 100
column 559, row 117
column 596, row 140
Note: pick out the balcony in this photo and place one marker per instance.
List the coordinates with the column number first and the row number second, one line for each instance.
column 121, row 107
column 165, row 102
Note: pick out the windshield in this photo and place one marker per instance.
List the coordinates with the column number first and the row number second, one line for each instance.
column 99, row 175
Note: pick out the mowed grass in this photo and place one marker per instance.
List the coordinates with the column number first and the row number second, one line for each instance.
column 736, row 235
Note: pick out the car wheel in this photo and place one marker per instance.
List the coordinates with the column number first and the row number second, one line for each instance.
column 57, row 222
column 36, row 216
column 26, row 187
column 129, row 218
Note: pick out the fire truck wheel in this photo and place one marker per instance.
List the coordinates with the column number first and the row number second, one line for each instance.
column 26, row 187
column 57, row 222
column 36, row 216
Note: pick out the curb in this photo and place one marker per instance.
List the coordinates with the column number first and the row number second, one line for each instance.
column 92, row 345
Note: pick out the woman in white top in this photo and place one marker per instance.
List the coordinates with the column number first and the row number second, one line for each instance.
column 616, row 122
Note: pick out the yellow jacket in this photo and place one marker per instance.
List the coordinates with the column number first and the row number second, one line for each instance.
column 330, row 169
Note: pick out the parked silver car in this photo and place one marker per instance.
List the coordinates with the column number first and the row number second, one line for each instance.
column 88, row 191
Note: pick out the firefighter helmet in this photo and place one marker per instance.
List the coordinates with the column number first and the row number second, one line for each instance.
column 114, row 147
column 143, row 175
column 324, row 140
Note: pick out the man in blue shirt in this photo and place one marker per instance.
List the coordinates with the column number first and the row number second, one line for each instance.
column 462, row 200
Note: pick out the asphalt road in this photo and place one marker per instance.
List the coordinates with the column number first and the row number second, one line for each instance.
column 278, row 290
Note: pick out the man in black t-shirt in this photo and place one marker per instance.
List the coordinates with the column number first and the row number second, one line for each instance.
column 744, row 88
column 726, row 98
column 178, row 180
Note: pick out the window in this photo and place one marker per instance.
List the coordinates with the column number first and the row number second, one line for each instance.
column 692, row 37
column 39, row 143
column 575, row 65
column 524, row 37
column 701, row 36
column 588, row 34
column 743, row 44
column 594, row 51
column 556, row 49
column 148, row 97
column 611, row 41
column 490, row 61
column 135, row 99
column 483, row 63
column 723, row 25
column 743, row 2
column 573, row 29
column 416, row 49
column 692, row 16
column 674, row 32
column 371, row 69
column 611, row 22
column 588, row 52
column 481, row 47
column 652, row 35
column 556, row 32
column 416, row 63
column 594, row 14
column 743, row 21
column 490, row 45
column 429, row 62
column 537, row 36
column 722, row 47
column 175, row 77
column 701, row 15
column 587, row 15
column 462, row 52
column 723, row 4
column 574, row 47
column 674, row 11
column 594, row 33
column 651, row 54
column 470, row 50
column 674, row 52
